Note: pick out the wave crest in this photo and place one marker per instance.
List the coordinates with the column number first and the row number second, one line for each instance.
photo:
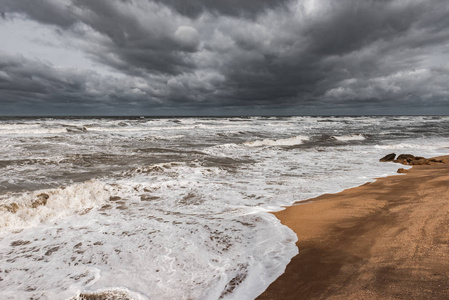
column 350, row 137
column 32, row 208
column 292, row 141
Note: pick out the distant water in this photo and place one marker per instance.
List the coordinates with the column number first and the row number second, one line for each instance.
column 176, row 208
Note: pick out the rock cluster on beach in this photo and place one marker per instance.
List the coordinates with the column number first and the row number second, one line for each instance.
column 408, row 159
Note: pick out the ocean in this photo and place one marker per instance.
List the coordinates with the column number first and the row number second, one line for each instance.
column 176, row 208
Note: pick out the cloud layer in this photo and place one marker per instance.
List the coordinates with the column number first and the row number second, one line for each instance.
column 224, row 57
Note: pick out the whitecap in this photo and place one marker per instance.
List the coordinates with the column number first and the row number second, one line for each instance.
column 32, row 208
column 350, row 137
column 292, row 141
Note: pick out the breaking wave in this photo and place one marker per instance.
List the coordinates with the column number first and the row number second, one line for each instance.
column 292, row 141
column 350, row 137
column 31, row 208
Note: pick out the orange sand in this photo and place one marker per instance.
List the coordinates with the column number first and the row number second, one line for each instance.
column 384, row 240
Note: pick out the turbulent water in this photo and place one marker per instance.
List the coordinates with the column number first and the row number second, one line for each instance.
column 166, row 208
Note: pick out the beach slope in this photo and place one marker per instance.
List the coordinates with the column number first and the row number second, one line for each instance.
column 388, row 239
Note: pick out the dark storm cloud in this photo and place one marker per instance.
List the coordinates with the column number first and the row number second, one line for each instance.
column 27, row 85
column 20, row 76
column 352, row 25
column 301, row 56
column 237, row 8
column 134, row 47
column 379, row 44
column 42, row 11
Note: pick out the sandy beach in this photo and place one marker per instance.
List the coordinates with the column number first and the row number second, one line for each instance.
column 388, row 239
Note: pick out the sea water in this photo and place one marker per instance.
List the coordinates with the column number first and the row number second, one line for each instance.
column 176, row 208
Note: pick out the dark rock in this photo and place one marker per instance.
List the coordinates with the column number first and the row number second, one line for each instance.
column 408, row 159
column 401, row 161
column 404, row 159
column 389, row 157
column 442, row 161
column 433, row 161
column 402, row 170
column 421, row 161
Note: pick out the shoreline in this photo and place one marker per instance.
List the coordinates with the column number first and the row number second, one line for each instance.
column 386, row 239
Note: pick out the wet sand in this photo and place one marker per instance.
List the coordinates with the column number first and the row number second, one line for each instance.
column 383, row 240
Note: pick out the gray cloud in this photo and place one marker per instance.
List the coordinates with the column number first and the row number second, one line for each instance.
column 139, row 38
column 36, row 86
column 236, row 8
column 304, row 56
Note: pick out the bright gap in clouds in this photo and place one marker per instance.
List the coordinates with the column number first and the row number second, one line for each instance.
column 24, row 37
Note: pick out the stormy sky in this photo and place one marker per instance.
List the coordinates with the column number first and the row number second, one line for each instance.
column 224, row 57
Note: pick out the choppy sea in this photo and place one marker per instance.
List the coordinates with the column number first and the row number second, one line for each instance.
column 176, row 208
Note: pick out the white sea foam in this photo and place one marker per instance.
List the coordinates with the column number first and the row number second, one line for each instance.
column 296, row 140
column 350, row 137
column 30, row 209
column 30, row 130
column 172, row 224
column 156, row 223
column 423, row 146
column 109, row 294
